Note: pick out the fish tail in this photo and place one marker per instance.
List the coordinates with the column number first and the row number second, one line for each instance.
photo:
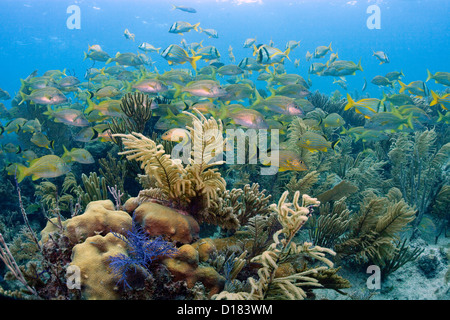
column 174, row 7
column 22, row 85
column 430, row 76
column 85, row 56
column 21, row 172
column 350, row 103
column 66, row 152
column 178, row 90
column 435, row 98
column 196, row 26
column 329, row 47
column 441, row 117
column 255, row 50
column 403, row 87
column 48, row 112
column 24, row 97
column 108, row 61
column 359, row 65
column 409, row 121
column 334, row 143
column 286, row 53
column 91, row 105
column 193, row 61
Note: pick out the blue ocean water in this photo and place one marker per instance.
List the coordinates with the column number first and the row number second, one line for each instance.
column 414, row 34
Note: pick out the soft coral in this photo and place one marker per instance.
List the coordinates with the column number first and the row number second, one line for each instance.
column 142, row 251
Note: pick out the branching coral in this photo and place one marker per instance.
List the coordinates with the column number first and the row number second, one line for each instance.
column 94, row 188
column 418, row 168
column 331, row 223
column 376, row 227
column 292, row 216
column 191, row 187
column 141, row 252
column 234, row 208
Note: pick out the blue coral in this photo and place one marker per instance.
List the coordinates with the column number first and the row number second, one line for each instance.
column 142, row 251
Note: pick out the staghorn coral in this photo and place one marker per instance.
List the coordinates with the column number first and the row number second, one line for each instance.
column 292, row 216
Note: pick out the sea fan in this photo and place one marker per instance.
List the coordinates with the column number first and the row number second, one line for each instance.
column 141, row 252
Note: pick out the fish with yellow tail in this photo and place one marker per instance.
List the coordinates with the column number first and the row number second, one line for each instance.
column 315, row 142
column 287, row 161
column 418, row 88
column 180, row 27
column 443, row 101
column 79, row 155
column 174, row 54
column 439, row 77
column 367, row 107
column 321, row 51
column 49, row 166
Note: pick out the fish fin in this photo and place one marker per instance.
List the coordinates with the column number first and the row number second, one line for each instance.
column 409, row 121
column 403, row 87
column 91, row 106
column 193, row 61
column 23, row 96
column 435, row 98
column 441, row 116
column 359, row 67
column 430, row 76
column 21, row 172
column 178, row 89
column 52, row 144
column 350, row 102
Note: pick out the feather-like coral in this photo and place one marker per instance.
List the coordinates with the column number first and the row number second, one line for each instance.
column 292, row 216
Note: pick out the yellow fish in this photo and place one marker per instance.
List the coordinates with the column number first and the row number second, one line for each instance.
column 49, row 166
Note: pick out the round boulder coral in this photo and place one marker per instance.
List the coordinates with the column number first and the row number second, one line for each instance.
column 158, row 220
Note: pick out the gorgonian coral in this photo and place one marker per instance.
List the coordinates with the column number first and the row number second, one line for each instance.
column 141, row 252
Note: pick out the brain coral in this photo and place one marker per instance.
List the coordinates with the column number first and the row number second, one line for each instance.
column 92, row 257
column 185, row 266
column 159, row 220
column 100, row 217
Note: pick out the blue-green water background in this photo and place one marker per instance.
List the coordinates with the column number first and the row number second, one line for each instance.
column 414, row 34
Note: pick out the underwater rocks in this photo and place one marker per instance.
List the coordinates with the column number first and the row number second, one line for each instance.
column 100, row 217
column 429, row 264
column 185, row 266
column 158, row 220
